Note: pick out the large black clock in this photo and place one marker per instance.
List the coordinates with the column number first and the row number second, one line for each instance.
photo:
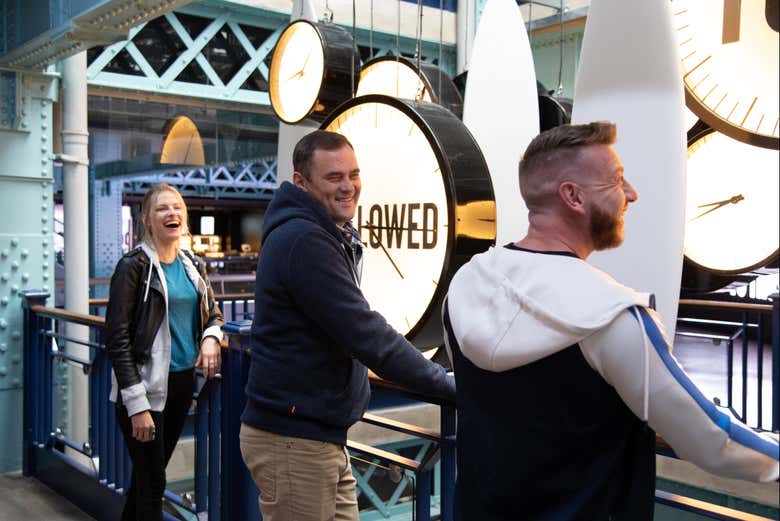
column 426, row 206
column 314, row 67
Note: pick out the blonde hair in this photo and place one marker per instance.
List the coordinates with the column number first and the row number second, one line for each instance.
column 147, row 205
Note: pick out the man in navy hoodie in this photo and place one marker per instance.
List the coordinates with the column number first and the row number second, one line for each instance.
column 313, row 336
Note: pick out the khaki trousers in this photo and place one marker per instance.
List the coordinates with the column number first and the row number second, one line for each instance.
column 299, row 479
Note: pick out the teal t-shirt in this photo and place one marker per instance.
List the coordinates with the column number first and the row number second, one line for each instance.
column 183, row 317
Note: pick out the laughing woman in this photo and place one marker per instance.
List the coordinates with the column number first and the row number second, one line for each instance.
column 162, row 322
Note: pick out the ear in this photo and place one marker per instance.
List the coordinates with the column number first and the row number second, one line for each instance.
column 299, row 180
column 572, row 196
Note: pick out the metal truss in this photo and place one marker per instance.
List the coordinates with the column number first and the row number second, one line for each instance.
column 221, row 53
column 246, row 58
column 255, row 179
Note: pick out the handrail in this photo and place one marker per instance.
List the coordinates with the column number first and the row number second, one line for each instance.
column 102, row 302
column 70, row 316
column 741, row 306
column 706, row 509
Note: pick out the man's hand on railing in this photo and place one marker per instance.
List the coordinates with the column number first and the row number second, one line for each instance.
column 143, row 426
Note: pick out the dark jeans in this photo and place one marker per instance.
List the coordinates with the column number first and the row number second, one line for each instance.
column 144, row 499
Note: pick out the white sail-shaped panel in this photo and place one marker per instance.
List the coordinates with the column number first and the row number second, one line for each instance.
column 629, row 73
column 501, row 108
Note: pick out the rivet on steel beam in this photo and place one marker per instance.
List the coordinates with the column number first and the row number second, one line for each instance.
column 15, row 265
column 16, row 335
column 3, row 348
column 14, row 242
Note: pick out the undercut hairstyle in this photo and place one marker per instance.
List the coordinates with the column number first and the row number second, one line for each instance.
column 147, row 207
column 554, row 155
column 310, row 143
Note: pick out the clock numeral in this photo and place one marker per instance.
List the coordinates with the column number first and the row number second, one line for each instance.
column 678, row 13
column 435, row 282
column 689, row 40
column 407, row 322
column 774, row 130
column 731, row 20
column 689, row 55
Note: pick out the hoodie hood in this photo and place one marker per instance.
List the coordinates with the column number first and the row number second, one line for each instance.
column 509, row 308
column 290, row 202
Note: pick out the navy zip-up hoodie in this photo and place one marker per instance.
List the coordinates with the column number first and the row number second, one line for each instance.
column 314, row 334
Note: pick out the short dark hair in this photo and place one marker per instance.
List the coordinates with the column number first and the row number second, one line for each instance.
column 555, row 151
column 310, row 143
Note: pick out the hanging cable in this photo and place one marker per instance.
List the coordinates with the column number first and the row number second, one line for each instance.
column 371, row 34
column 398, row 49
column 418, row 33
column 354, row 42
column 441, row 44
column 328, row 15
column 559, row 89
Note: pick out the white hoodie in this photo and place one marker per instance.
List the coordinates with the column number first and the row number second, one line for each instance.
column 509, row 308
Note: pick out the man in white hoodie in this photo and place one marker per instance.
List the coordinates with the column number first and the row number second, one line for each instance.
column 563, row 374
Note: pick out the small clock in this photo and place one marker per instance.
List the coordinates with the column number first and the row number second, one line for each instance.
column 426, row 206
column 732, row 204
column 314, row 68
column 399, row 77
column 729, row 51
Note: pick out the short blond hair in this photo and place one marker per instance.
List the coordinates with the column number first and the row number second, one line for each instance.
column 555, row 153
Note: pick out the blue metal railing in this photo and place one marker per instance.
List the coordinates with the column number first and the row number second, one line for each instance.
column 755, row 321
column 224, row 489
column 105, row 448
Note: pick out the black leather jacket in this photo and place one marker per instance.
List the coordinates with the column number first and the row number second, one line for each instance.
column 132, row 323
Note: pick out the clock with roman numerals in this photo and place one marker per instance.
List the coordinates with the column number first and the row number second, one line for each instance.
column 729, row 52
column 426, row 206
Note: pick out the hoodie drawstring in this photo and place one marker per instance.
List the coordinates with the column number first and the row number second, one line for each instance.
column 148, row 281
column 646, row 401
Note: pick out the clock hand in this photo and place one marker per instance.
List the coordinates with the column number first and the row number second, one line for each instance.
column 719, row 204
column 376, row 236
column 301, row 72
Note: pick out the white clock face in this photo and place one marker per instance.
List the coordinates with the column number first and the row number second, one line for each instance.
column 730, row 65
column 296, row 72
column 394, row 78
column 732, row 205
column 402, row 214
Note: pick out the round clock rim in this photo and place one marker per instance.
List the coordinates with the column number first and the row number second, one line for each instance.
column 407, row 108
column 315, row 26
column 409, row 63
column 726, row 127
column 692, row 140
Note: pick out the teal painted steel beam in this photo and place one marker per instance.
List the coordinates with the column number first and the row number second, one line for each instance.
column 233, row 17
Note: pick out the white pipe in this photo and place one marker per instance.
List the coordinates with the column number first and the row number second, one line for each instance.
column 76, row 222
column 465, row 28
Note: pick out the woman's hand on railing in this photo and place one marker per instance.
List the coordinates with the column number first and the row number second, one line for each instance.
column 209, row 358
column 143, row 426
